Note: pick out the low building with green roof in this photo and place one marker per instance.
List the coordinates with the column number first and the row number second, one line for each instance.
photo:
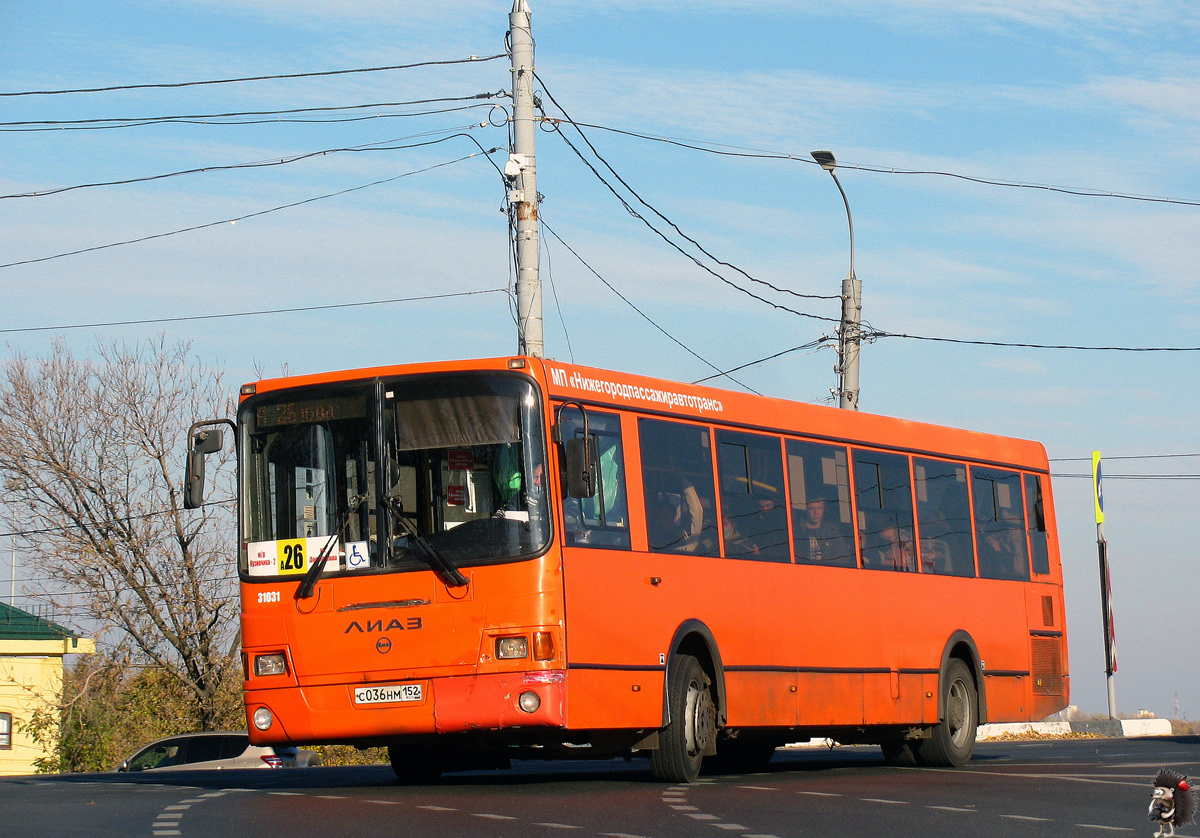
column 32, row 649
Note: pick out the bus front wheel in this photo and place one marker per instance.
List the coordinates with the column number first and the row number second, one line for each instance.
column 692, row 726
column 953, row 738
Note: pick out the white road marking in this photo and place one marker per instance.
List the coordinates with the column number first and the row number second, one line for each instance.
column 950, row 809
column 559, row 825
column 759, row 788
column 820, row 793
column 1024, row 818
column 177, row 807
column 438, row 808
column 729, row 826
column 881, row 800
column 703, row 817
column 620, row 835
column 1110, row 828
column 492, row 817
column 385, row 802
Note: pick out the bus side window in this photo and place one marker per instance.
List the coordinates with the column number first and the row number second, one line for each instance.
column 677, row 478
column 885, row 515
column 819, row 482
column 1035, row 517
column 999, row 524
column 603, row 519
column 944, row 516
column 753, row 520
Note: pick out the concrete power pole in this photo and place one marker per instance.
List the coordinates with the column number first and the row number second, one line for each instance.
column 849, row 332
column 521, row 172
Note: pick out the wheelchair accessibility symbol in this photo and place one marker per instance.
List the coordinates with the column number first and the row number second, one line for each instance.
column 356, row 555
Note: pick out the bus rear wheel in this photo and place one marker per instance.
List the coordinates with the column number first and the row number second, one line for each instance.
column 693, row 724
column 416, row 764
column 953, row 738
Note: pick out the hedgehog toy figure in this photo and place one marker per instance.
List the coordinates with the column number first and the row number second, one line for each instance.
column 1173, row 803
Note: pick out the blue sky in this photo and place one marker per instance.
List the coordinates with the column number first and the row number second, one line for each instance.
column 1077, row 93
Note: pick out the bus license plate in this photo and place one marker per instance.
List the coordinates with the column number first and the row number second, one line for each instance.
column 388, row 694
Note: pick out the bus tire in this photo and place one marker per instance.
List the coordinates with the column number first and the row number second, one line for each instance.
column 415, row 765
column 693, row 724
column 953, row 738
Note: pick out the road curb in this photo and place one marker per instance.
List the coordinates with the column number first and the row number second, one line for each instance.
column 1111, row 728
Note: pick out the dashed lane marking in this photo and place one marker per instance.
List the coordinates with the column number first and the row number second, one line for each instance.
column 703, row 817
column 950, row 808
column 1109, row 828
column 820, row 793
column 490, row 816
column 437, row 808
column 759, row 788
column 559, row 825
column 881, row 800
column 730, row 826
column 1024, row 818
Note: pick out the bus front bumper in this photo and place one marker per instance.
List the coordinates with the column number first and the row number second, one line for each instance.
column 363, row 712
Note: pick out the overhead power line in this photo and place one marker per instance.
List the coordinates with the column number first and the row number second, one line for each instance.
column 382, row 145
column 873, row 334
column 812, row 344
column 261, row 212
column 245, row 117
column 645, row 316
column 260, row 313
column 165, row 85
column 725, row 150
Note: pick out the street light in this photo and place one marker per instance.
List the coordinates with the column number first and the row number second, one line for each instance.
column 849, row 336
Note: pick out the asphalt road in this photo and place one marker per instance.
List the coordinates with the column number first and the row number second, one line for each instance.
column 1067, row 787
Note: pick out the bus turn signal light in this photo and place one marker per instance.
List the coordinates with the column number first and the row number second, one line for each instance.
column 543, row 646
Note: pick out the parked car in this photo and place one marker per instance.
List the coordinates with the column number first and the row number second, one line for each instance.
column 215, row 749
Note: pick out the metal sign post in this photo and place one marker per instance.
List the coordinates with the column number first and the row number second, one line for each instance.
column 1110, row 636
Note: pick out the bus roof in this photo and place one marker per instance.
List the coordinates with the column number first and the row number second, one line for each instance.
column 599, row 387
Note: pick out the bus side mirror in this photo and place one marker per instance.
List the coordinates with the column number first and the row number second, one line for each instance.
column 580, row 456
column 203, row 443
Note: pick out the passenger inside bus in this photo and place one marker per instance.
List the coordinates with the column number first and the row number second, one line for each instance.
column 678, row 519
column 820, row 540
column 896, row 550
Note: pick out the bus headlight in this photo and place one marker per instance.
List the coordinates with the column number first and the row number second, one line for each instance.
column 263, row 718
column 512, row 648
column 529, row 701
column 269, row 665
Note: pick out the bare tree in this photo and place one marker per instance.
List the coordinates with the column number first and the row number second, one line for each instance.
column 92, row 452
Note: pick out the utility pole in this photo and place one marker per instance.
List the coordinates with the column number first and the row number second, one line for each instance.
column 849, row 333
column 521, row 172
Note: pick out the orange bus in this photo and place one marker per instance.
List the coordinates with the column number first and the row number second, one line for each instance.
column 475, row 561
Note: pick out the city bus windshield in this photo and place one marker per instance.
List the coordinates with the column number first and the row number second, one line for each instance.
column 397, row 475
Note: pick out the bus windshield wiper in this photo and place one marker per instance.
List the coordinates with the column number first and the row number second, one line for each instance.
column 314, row 571
column 432, row 555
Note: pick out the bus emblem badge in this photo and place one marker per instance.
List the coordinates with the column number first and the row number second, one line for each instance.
column 383, row 645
